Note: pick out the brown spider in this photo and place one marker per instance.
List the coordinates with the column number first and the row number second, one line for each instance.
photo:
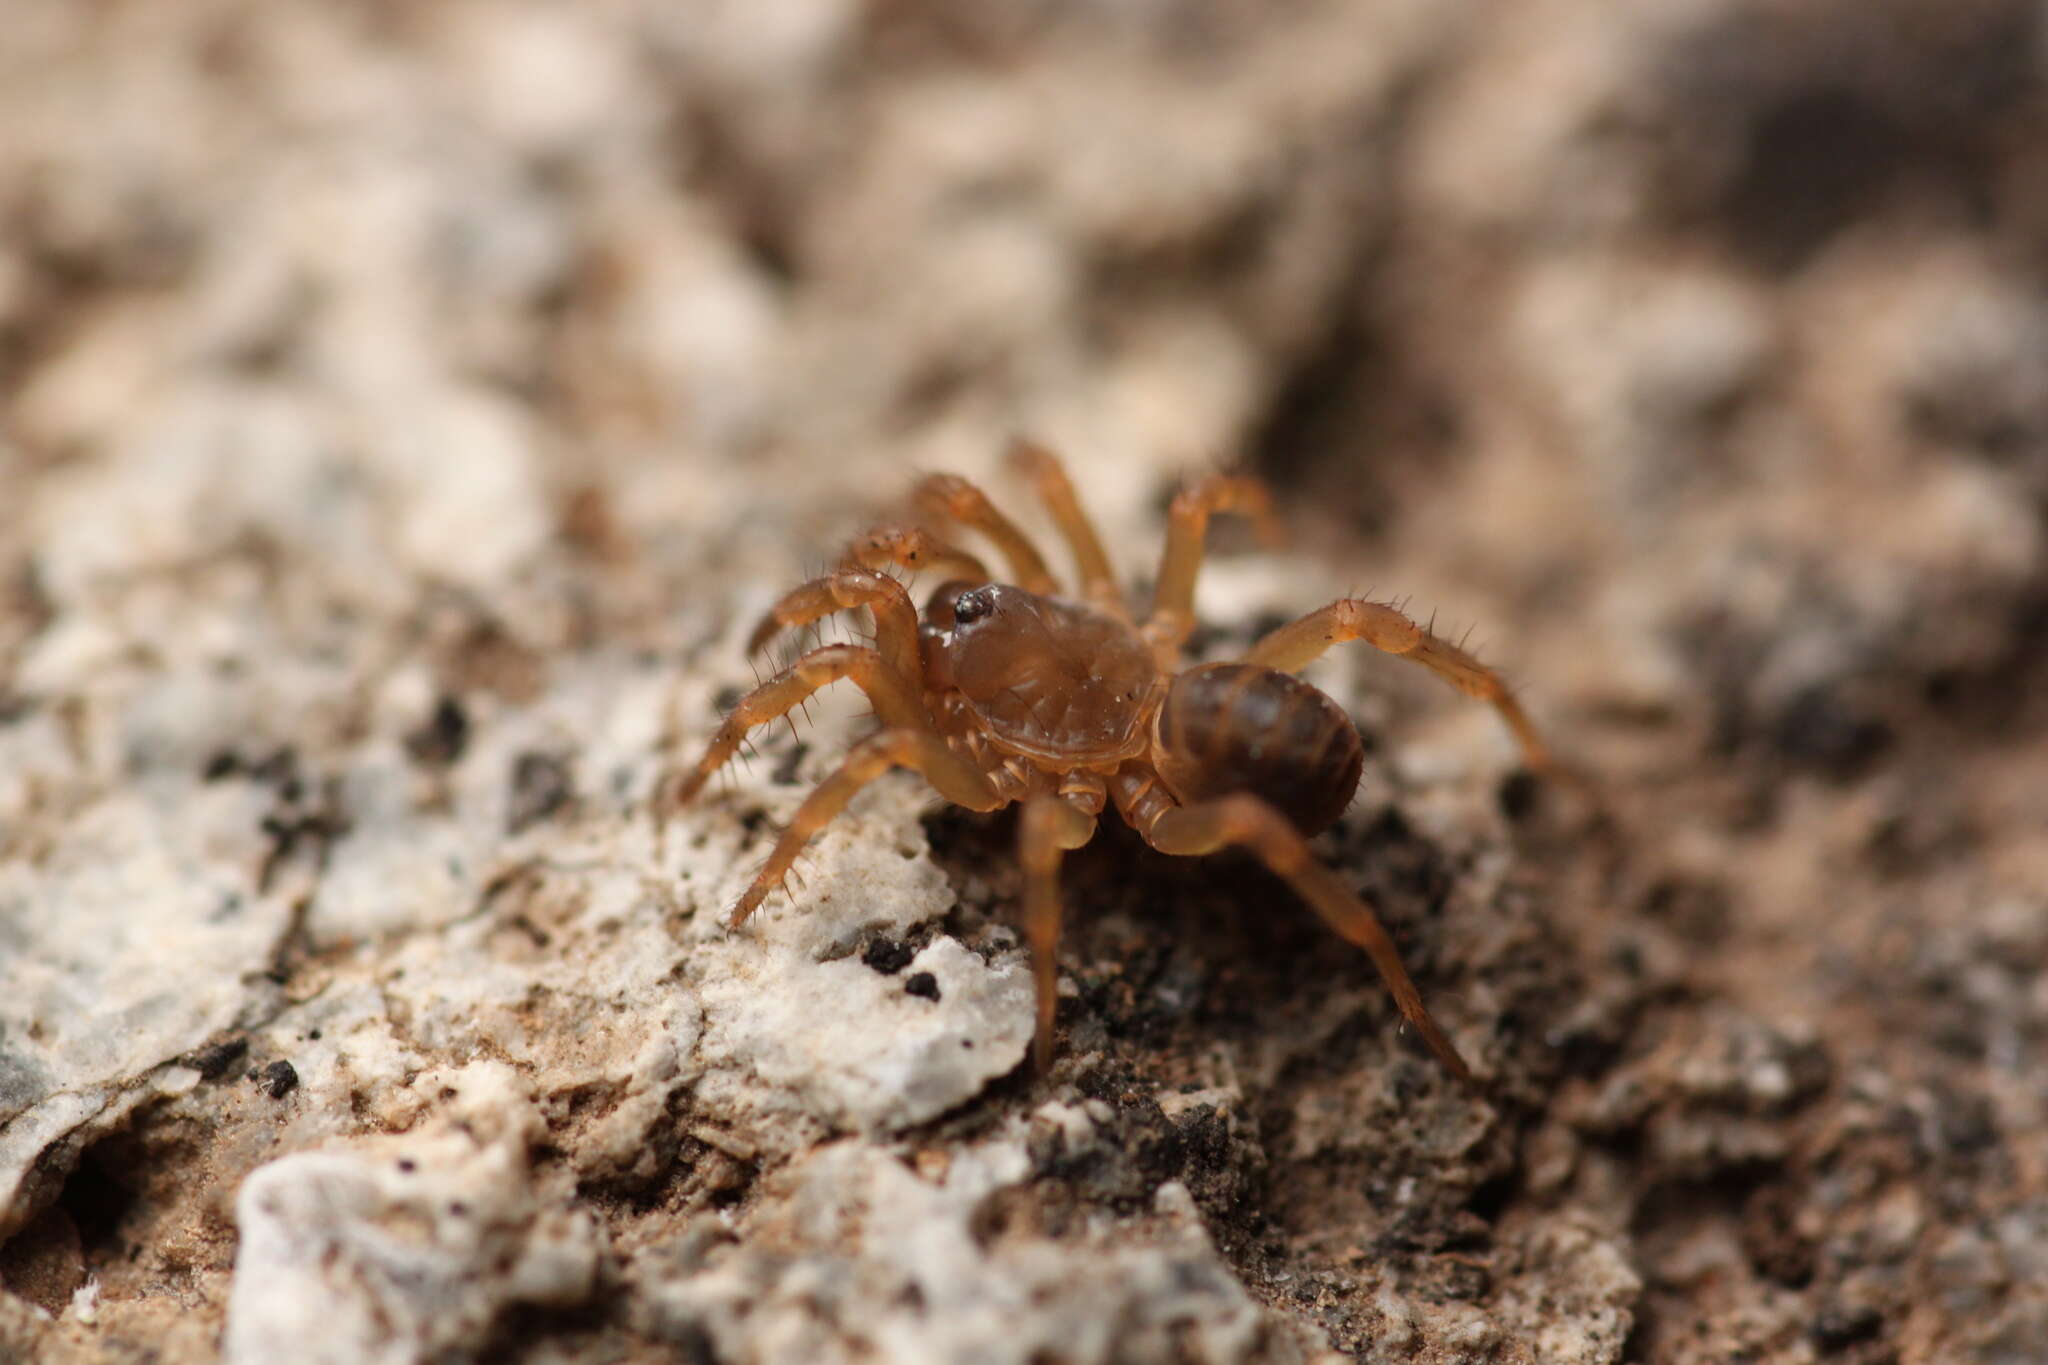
column 1009, row 692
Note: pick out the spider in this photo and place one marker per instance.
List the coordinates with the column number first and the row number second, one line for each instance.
column 1011, row 691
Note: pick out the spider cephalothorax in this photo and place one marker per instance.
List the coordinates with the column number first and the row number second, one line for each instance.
column 1011, row 692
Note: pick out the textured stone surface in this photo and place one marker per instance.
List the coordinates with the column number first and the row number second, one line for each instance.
column 406, row 411
column 912, row 1262
column 397, row 1247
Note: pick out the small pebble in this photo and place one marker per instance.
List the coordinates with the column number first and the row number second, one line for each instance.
column 279, row 1079
column 887, row 955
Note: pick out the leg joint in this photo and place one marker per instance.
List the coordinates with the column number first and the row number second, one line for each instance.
column 1378, row 625
column 841, row 660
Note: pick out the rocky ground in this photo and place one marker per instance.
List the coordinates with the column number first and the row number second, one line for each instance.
column 405, row 411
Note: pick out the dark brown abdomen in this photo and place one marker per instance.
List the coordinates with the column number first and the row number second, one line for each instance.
column 1228, row 728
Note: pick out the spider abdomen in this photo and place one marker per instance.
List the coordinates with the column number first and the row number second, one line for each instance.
column 1227, row 728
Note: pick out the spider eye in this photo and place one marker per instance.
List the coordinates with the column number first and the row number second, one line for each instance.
column 973, row 605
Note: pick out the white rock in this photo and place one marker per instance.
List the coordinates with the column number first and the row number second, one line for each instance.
column 131, row 941
column 405, row 1248
column 789, row 1007
column 876, row 1262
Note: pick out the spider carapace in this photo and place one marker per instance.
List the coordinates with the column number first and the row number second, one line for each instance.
column 1009, row 691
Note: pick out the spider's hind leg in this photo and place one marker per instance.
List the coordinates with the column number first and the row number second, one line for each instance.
column 1252, row 824
column 1293, row 646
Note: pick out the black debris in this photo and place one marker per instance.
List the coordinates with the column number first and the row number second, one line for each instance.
column 887, row 955
column 279, row 1079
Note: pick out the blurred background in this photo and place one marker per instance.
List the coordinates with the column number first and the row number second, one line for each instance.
column 1696, row 352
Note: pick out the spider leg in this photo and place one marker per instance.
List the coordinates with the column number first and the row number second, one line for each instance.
column 1250, row 823
column 1173, row 603
column 1294, row 645
column 1048, row 827
column 895, row 701
column 1049, row 477
column 953, row 498
column 845, row 590
column 913, row 549
column 917, row 748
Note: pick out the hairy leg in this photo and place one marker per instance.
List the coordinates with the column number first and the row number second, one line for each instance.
column 1049, row 826
column 914, row 549
column 1250, row 823
column 919, row 749
column 846, row 590
column 894, row 699
column 952, row 497
column 1049, row 477
column 1292, row 646
column 1173, row 604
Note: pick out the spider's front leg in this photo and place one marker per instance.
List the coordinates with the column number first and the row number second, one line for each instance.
column 915, row 550
column 1049, row 826
column 1049, row 477
column 919, row 749
column 894, row 699
column 1187, row 526
column 848, row 589
column 951, row 497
